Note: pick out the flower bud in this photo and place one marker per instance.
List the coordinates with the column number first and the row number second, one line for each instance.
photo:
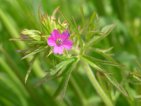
column 31, row 34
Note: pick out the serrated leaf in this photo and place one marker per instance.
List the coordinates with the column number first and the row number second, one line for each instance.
column 34, row 52
column 92, row 64
column 93, row 59
column 137, row 97
column 136, row 75
column 29, row 69
column 46, row 78
column 104, row 50
column 104, row 54
column 117, row 85
column 107, row 29
column 104, row 33
column 61, row 65
column 64, row 83
column 137, row 78
column 56, row 71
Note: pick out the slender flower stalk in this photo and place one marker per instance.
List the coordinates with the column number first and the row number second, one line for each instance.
column 97, row 86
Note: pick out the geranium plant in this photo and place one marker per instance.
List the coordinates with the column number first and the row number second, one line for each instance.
column 70, row 47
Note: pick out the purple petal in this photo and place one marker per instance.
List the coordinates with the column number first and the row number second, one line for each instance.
column 58, row 50
column 55, row 34
column 65, row 35
column 51, row 41
column 67, row 44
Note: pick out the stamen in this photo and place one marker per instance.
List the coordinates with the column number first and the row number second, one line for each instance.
column 59, row 42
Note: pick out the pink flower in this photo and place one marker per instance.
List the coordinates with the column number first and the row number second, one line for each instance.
column 59, row 41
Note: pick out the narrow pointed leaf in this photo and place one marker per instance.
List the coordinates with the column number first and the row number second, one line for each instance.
column 117, row 85
column 92, row 64
column 29, row 69
column 64, row 83
column 104, row 33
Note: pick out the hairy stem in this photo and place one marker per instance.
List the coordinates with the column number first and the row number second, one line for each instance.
column 97, row 86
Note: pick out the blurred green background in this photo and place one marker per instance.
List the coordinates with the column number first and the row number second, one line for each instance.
column 16, row 15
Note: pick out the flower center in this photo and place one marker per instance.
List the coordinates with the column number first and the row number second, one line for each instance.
column 59, row 42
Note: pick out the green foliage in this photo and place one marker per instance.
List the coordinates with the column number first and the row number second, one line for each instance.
column 103, row 67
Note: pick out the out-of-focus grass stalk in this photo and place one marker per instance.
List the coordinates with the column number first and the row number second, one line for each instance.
column 16, row 70
column 4, row 17
column 12, row 87
column 97, row 86
column 99, row 4
column 78, row 91
column 14, row 33
column 13, row 82
column 119, row 6
column 11, row 63
column 12, row 75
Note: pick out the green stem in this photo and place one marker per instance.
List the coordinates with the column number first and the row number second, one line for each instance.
column 97, row 86
column 78, row 91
